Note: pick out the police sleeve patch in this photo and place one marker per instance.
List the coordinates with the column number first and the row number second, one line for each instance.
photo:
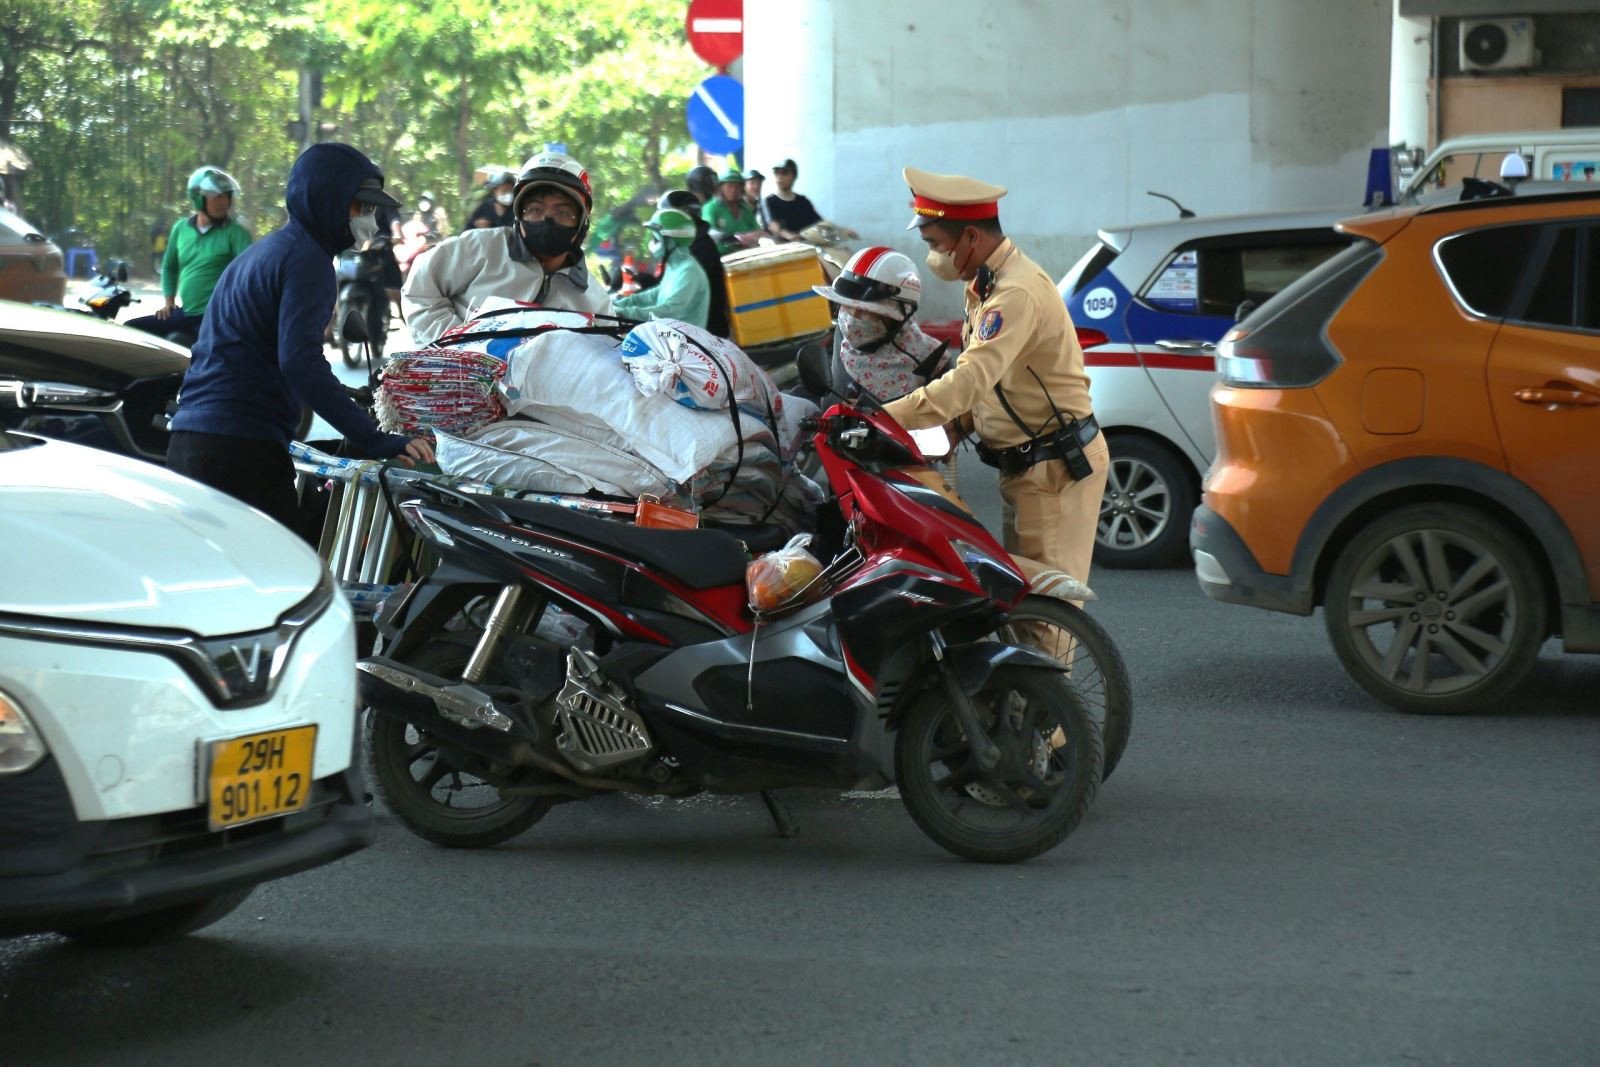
column 990, row 326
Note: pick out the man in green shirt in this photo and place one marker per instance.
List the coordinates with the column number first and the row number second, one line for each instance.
column 683, row 292
column 198, row 250
column 728, row 214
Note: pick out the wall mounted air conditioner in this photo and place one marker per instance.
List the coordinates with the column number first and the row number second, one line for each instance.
column 1497, row 44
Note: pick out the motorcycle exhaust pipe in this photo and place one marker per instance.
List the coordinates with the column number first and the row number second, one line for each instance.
column 411, row 700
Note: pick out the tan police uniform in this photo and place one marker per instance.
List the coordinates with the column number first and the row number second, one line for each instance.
column 1017, row 335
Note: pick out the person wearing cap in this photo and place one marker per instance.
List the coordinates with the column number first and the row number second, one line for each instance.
column 495, row 209
column 683, row 293
column 1020, row 378
column 704, row 251
column 880, row 346
column 259, row 356
column 753, row 181
column 728, row 215
column 538, row 260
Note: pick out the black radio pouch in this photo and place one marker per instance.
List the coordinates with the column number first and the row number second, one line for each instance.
column 1065, row 440
column 1078, row 464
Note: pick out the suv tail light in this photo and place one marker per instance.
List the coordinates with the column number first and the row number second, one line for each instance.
column 1284, row 343
column 1088, row 338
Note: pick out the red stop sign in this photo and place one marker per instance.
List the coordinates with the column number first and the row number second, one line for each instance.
column 716, row 30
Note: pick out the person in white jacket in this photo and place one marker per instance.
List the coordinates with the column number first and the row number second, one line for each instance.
column 538, row 259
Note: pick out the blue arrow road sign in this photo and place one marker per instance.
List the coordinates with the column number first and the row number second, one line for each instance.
column 716, row 115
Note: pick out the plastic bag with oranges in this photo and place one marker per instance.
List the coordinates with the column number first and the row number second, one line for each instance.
column 776, row 578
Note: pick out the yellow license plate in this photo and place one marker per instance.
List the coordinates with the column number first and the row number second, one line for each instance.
column 259, row 776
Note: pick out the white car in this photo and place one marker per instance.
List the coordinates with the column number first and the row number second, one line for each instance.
column 177, row 699
column 1150, row 302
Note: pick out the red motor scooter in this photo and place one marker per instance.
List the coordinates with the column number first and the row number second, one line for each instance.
column 552, row 656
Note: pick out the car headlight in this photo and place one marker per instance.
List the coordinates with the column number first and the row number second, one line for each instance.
column 21, row 747
column 999, row 578
column 27, row 394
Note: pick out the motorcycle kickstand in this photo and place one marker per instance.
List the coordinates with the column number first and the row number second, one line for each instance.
column 780, row 814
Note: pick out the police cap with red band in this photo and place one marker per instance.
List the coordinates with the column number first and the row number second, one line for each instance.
column 950, row 197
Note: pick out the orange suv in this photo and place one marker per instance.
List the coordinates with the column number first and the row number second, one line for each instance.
column 1409, row 437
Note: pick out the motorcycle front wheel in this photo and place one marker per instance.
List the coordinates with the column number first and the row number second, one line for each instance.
column 1068, row 634
column 1045, row 782
column 433, row 793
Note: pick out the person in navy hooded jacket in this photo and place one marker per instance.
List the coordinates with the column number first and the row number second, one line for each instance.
column 259, row 356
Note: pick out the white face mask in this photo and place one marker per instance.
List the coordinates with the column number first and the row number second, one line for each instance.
column 363, row 228
column 503, row 198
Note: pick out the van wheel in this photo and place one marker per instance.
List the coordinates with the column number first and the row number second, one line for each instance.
column 1436, row 609
column 1145, row 511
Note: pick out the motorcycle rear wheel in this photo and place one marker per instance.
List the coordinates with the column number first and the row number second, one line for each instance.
column 410, row 772
column 1007, row 815
column 1096, row 669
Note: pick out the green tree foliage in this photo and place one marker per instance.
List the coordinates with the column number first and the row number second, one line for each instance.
column 116, row 101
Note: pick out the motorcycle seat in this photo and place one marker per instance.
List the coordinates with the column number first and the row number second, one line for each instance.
column 758, row 537
column 700, row 559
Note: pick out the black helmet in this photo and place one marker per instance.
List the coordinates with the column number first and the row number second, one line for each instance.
column 498, row 178
column 684, row 201
column 702, row 182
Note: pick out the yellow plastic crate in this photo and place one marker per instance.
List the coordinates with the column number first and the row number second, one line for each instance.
column 769, row 294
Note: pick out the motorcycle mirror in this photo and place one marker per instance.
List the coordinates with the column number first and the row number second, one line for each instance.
column 815, row 365
column 354, row 327
column 122, row 271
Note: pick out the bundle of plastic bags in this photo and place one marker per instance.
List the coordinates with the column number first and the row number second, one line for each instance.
column 453, row 390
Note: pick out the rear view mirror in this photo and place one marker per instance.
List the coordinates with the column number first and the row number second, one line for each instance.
column 1243, row 310
column 354, row 327
column 815, row 364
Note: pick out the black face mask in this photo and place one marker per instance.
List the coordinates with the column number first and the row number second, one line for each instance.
column 547, row 237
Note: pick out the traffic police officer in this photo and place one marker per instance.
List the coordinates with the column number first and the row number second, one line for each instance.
column 1020, row 378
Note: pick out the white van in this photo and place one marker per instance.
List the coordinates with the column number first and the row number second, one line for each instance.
column 1553, row 155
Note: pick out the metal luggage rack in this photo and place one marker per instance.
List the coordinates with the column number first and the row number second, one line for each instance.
column 359, row 541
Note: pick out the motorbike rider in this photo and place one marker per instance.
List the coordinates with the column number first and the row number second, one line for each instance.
column 753, row 181
column 260, row 356
column 704, row 251
column 1020, row 379
column 683, row 293
column 538, row 260
column 881, row 347
column 702, row 182
column 728, row 215
column 495, row 210
column 428, row 213
column 199, row 247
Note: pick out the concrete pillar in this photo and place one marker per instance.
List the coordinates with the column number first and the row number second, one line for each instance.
column 1410, row 80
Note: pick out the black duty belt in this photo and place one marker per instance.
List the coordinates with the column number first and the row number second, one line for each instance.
column 1067, row 445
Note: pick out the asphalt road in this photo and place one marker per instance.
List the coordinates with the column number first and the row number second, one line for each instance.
column 1282, row 871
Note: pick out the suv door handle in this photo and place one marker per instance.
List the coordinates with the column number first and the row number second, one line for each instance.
column 1186, row 346
column 1575, row 398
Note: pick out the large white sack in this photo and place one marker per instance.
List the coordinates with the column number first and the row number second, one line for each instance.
column 695, row 367
column 530, row 455
column 567, row 378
